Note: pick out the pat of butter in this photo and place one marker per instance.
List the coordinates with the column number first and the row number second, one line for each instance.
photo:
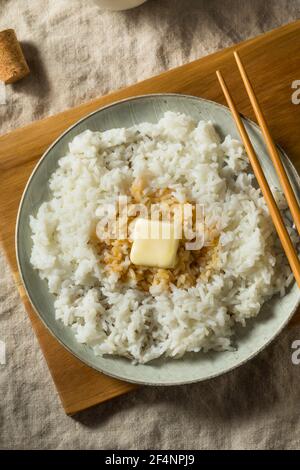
column 154, row 244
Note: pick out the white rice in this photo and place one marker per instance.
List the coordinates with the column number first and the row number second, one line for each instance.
column 189, row 158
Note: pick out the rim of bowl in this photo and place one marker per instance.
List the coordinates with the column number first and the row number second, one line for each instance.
column 17, row 231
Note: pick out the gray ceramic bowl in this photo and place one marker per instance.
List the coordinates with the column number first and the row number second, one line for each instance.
column 192, row 367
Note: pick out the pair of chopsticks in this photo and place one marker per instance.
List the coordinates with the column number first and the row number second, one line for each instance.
column 273, row 152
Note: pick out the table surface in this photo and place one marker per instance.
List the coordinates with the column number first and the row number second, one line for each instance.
column 76, row 53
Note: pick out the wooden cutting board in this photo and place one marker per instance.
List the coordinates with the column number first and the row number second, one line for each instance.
column 273, row 63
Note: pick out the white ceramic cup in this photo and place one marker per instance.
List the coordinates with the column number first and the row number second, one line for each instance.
column 117, row 5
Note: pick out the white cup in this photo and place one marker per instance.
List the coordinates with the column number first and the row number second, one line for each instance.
column 117, row 5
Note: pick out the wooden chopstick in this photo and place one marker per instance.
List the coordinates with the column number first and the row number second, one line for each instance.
column 273, row 152
column 267, row 193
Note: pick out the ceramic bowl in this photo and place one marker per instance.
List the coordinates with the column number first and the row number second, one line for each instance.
column 118, row 5
column 192, row 367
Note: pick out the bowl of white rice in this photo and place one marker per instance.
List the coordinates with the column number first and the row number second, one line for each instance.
column 218, row 304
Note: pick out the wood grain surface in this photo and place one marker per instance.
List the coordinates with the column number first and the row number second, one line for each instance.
column 272, row 61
